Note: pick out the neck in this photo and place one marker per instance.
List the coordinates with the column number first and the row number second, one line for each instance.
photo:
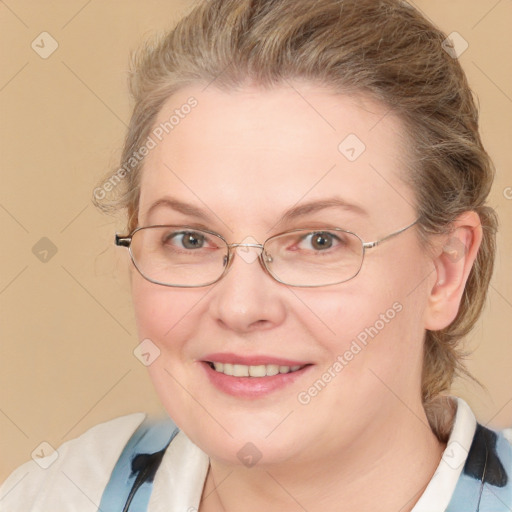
column 395, row 461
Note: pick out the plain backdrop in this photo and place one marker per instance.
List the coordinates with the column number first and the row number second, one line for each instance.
column 67, row 327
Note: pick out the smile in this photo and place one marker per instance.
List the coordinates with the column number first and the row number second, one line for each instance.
column 261, row 370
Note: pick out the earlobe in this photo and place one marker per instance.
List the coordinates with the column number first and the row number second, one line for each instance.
column 455, row 255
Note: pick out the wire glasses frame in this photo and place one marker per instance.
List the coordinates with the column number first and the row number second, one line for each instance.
column 266, row 259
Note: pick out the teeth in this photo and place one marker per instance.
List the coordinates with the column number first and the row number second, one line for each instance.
column 262, row 370
column 239, row 370
column 273, row 369
column 257, row 371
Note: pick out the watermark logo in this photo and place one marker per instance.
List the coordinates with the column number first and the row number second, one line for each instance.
column 351, row 147
column 146, row 352
column 454, row 455
column 248, row 254
column 455, row 45
column 44, row 250
column 44, row 455
column 455, row 249
column 249, row 455
column 44, row 45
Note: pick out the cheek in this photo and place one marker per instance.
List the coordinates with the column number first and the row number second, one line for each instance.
column 169, row 317
column 376, row 345
column 166, row 316
column 153, row 310
column 372, row 321
column 336, row 317
column 163, row 314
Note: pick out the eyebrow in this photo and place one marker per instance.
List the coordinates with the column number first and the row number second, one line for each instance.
column 321, row 204
column 179, row 206
column 289, row 215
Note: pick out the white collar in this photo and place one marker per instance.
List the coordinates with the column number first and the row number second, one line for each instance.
column 180, row 478
column 439, row 491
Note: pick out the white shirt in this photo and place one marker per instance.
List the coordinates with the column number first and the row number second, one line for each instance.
column 75, row 481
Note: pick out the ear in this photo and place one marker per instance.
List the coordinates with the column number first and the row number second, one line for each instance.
column 454, row 256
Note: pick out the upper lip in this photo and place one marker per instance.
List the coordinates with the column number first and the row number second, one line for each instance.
column 226, row 357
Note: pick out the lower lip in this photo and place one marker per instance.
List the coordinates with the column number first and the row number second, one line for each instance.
column 252, row 387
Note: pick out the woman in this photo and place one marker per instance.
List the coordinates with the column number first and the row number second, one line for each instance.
column 306, row 190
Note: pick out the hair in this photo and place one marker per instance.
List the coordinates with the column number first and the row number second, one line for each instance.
column 384, row 49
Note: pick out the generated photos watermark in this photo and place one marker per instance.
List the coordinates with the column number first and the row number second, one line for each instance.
column 357, row 345
column 157, row 135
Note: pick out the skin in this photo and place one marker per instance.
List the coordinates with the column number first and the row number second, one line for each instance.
column 245, row 157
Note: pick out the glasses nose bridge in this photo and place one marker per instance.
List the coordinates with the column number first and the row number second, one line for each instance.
column 235, row 246
column 261, row 257
column 245, row 245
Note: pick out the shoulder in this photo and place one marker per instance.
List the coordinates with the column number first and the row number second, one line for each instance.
column 74, row 475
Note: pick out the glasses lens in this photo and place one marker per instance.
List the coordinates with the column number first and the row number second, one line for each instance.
column 314, row 258
column 178, row 255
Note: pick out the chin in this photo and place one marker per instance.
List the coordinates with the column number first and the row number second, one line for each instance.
column 249, row 451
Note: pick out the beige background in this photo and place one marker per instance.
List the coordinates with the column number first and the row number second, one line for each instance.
column 67, row 329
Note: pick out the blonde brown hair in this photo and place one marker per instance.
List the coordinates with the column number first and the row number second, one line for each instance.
column 382, row 48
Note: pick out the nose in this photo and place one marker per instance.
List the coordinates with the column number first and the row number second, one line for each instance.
column 247, row 297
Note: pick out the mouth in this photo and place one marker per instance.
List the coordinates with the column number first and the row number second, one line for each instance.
column 253, row 371
column 251, row 377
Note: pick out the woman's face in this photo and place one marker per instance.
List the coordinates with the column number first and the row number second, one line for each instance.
column 244, row 159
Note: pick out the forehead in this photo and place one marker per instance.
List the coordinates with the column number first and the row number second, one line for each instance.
column 257, row 152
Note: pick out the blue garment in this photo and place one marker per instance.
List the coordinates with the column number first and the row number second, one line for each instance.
column 484, row 484
column 131, row 481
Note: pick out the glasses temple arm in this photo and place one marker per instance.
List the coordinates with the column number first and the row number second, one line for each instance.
column 370, row 245
column 123, row 241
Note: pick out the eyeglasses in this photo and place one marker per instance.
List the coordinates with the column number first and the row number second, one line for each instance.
column 184, row 256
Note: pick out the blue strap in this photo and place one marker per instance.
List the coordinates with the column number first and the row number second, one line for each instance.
column 131, row 481
column 485, row 483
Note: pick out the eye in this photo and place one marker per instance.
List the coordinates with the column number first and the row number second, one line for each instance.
column 320, row 240
column 185, row 239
